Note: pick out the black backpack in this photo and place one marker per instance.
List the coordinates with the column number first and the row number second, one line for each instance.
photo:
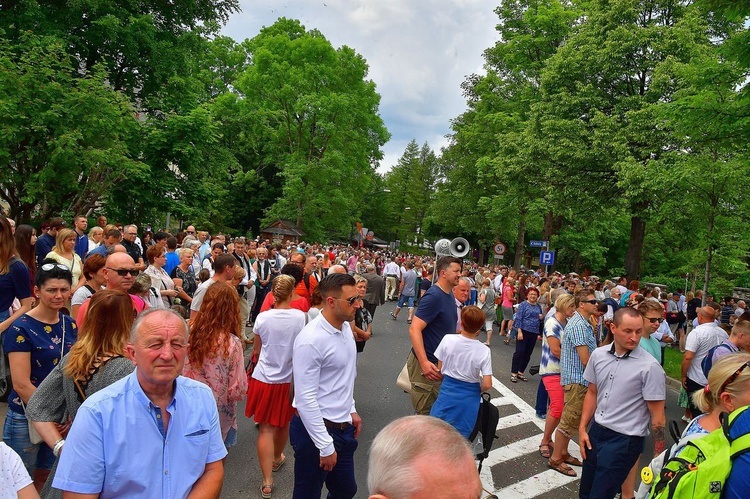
column 487, row 420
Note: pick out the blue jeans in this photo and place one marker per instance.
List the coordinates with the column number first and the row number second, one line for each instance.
column 231, row 439
column 608, row 463
column 16, row 436
column 403, row 300
column 309, row 477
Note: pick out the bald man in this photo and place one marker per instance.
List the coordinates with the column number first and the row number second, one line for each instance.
column 120, row 273
column 136, row 414
column 700, row 340
column 337, row 269
column 419, row 457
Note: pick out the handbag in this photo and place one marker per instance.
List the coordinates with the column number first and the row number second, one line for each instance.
column 402, row 381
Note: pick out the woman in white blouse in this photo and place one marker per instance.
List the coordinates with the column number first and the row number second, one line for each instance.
column 157, row 258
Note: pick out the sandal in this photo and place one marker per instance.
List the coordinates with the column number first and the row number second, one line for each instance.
column 545, row 450
column 573, row 461
column 522, row 377
column 507, row 340
column 561, row 467
column 278, row 464
column 266, row 487
column 513, row 378
column 408, row 321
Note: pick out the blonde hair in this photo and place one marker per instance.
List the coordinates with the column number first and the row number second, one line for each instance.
column 283, row 287
column 724, row 368
column 564, row 302
column 62, row 235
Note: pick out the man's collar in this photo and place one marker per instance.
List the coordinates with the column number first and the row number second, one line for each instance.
column 628, row 353
column 141, row 395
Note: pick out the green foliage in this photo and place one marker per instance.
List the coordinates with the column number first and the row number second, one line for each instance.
column 313, row 118
column 65, row 140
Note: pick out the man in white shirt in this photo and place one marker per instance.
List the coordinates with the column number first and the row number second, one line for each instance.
column 392, row 273
column 700, row 340
column 324, row 432
column 224, row 272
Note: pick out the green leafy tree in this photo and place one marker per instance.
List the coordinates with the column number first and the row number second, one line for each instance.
column 65, row 142
column 315, row 125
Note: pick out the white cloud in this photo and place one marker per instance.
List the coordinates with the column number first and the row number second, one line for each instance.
column 419, row 53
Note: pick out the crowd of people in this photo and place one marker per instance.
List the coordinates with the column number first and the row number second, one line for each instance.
column 110, row 334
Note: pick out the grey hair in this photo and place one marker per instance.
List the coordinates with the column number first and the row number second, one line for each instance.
column 146, row 313
column 391, row 471
column 182, row 251
column 466, row 280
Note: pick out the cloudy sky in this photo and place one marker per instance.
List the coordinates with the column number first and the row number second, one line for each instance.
column 419, row 52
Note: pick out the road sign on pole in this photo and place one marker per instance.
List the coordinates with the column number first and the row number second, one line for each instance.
column 547, row 257
column 500, row 249
column 539, row 244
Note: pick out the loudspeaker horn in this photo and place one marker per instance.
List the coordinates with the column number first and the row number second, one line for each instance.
column 443, row 247
column 459, row 247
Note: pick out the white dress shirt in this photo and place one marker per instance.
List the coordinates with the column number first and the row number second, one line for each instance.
column 391, row 269
column 324, row 362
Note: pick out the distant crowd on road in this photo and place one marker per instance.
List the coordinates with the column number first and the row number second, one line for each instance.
column 112, row 332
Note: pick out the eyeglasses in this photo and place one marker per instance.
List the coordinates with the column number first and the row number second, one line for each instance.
column 734, row 376
column 49, row 266
column 593, row 302
column 351, row 301
column 655, row 320
column 124, row 272
column 131, row 233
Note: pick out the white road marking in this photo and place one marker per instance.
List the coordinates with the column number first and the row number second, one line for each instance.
column 534, row 485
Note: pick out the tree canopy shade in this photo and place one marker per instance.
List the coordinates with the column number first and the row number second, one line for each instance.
column 312, row 116
column 65, row 141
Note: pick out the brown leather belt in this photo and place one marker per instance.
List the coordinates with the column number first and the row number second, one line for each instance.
column 336, row 426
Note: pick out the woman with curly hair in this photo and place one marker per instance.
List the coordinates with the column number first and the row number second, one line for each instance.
column 268, row 395
column 215, row 354
column 94, row 362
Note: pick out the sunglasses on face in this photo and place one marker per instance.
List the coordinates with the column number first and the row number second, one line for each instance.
column 351, row 301
column 655, row 320
column 124, row 272
column 593, row 302
column 49, row 266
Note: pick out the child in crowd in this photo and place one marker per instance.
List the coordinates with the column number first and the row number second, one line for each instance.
column 467, row 371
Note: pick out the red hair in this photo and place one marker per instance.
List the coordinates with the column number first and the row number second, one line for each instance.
column 219, row 319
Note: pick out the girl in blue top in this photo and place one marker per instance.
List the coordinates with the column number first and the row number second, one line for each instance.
column 35, row 343
column 528, row 319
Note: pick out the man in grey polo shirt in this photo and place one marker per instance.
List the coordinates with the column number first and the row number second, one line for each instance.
column 627, row 389
column 407, row 290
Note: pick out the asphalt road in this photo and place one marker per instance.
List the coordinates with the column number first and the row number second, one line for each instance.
column 514, row 468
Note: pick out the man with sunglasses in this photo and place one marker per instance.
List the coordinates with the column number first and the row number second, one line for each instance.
column 652, row 313
column 626, row 393
column 324, row 431
column 120, row 273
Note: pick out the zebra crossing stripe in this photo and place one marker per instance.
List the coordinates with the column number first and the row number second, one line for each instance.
column 537, row 484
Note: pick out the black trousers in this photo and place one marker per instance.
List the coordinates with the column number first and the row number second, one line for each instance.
column 524, row 349
column 692, row 386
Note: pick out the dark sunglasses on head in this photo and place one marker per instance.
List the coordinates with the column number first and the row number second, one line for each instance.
column 655, row 320
column 124, row 272
column 734, row 376
column 49, row 266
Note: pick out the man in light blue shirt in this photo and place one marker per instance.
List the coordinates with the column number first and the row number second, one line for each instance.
column 153, row 434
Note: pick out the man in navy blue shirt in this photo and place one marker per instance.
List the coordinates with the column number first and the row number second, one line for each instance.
column 46, row 241
column 435, row 317
column 80, row 224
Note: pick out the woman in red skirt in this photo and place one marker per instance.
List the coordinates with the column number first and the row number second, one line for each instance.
column 268, row 400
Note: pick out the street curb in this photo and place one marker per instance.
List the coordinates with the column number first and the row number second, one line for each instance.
column 674, row 384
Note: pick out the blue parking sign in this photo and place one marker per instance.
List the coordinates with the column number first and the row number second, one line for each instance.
column 546, row 257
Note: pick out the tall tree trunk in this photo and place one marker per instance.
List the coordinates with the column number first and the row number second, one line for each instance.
column 709, row 253
column 635, row 249
column 520, row 238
